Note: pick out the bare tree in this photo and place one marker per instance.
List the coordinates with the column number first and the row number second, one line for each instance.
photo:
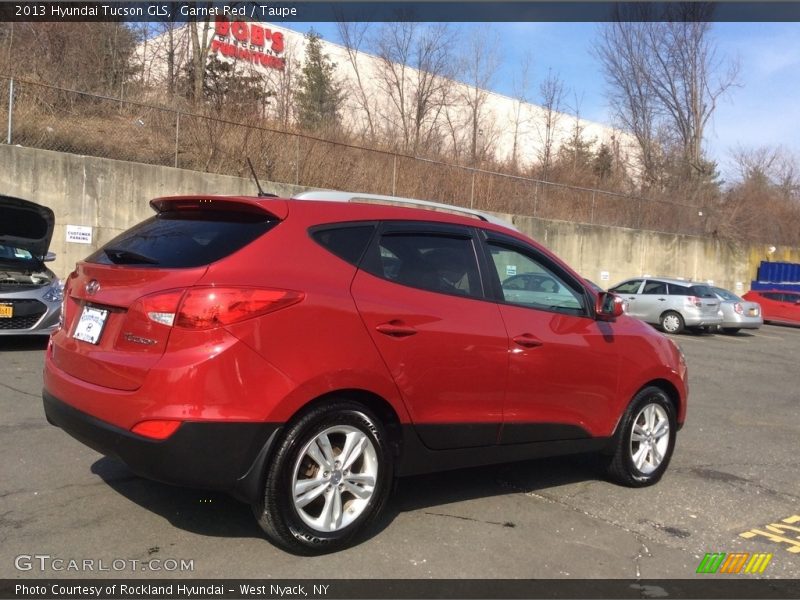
column 551, row 91
column 622, row 51
column 415, row 66
column 521, row 91
column 200, row 35
column 353, row 37
column 769, row 166
column 667, row 73
column 480, row 64
column 282, row 84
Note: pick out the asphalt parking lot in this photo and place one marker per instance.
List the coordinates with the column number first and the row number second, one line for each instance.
column 735, row 470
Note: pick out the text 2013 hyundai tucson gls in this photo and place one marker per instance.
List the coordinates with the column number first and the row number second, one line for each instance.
column 301, row 354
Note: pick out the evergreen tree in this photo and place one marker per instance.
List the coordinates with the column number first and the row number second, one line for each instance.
column 603, row 164
column 319, row 95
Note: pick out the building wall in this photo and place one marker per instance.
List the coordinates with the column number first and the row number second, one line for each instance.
column 110, row 196
column 500, row 112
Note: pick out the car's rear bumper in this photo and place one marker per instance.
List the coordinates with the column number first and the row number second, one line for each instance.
column 742, row 322
column 213, row 455
column 700, row 320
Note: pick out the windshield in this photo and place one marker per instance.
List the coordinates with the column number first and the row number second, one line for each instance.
column 15, row 254
column 726, row 295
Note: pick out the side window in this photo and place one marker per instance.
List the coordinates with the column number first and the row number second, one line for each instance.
column 629, row 287
column 347, row 242
column 678, row 290
column 655, row 287
column 438, row 263
column 702, row 291
column 543, row 289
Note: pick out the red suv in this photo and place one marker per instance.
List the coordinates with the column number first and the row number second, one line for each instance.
column 301, row 354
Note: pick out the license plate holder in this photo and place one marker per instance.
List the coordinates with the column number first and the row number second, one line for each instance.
column 90, row 324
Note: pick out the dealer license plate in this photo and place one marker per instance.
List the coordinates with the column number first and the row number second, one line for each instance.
column 90, row 325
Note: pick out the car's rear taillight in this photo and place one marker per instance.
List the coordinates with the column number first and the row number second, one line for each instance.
column 207, row 307
column 161, row 307
column 737, row 308
column 151, row 318
column 694, row 301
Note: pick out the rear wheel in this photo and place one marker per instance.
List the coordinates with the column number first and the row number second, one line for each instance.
column 645, row 440
column 329, row 478
column 672, row 322
column 730, row 330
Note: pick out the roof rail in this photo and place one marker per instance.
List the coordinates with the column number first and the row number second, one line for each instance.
column 335, row 196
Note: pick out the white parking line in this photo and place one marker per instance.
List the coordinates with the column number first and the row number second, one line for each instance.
column 730, row 337
column 766, row 335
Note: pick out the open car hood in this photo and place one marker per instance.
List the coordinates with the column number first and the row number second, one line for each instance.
column 26, row 225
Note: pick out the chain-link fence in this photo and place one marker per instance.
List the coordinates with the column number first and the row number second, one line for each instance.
column 47, row 117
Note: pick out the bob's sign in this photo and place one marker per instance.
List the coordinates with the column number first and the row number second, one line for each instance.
column 249, row 42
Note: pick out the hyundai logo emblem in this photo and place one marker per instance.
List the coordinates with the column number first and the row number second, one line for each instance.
column 92, row 287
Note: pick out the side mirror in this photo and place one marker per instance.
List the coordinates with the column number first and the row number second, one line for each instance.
column 608, row 306
column 50, row 257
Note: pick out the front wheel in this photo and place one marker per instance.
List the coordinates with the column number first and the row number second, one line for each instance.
column 645, row 440
column 329, row 478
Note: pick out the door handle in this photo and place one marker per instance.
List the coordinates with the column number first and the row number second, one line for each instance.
column 396, row 329
column 527, row 340
column 662, row 299
column 631, row 297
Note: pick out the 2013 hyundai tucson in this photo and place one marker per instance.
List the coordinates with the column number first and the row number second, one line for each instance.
column 302, row 353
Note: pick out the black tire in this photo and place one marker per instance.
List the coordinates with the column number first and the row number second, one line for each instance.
column 731, row 330
column 277, row 513
column 621, row 466
column 671, row 322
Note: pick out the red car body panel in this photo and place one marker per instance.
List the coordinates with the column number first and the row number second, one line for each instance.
column 443, row 361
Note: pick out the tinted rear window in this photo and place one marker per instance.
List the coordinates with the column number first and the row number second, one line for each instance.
column 702, row 291
column 348, row 242
column 726, row 295
column 178, row 239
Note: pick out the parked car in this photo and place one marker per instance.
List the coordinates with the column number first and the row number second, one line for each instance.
column 301, row 353
column 673, row 304
column 737, row 313
column 30, row 293
column 777, row 306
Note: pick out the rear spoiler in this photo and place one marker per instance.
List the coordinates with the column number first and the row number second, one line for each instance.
column 275, row 207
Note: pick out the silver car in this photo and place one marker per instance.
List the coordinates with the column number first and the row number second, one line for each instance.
column 737, row 313
column 672, row 304
column 30, row 293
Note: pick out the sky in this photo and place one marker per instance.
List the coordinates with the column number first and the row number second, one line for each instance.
column 764, row 110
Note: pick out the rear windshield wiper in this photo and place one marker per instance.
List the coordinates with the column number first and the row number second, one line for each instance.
column 121, row 256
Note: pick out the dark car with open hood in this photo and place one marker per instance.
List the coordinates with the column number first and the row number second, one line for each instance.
column 30, row 293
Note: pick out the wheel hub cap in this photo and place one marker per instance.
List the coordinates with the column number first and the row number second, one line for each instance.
column 650, row 438
column 334, row 478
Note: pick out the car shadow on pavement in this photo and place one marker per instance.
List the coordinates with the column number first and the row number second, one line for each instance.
column 23, row 343
column 209, row 513
column 216, row 514
column 436, row 489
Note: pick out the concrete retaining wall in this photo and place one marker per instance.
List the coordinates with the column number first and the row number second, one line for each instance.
column 109, row 196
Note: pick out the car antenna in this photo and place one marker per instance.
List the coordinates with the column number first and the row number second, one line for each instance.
column 261, row 193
